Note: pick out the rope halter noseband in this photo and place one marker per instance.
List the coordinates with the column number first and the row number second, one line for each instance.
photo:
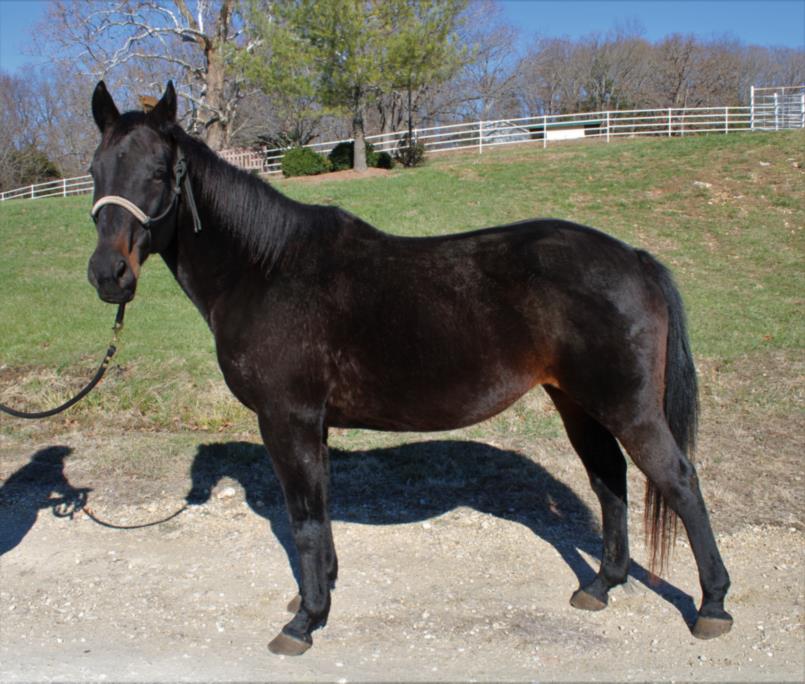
column 180, row 182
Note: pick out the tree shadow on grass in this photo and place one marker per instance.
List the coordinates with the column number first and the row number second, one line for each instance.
column 415, row 482
column 29, row 490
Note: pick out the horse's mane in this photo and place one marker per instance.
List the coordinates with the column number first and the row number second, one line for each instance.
column 263, row 220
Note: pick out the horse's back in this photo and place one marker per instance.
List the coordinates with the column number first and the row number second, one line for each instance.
column 434, row 333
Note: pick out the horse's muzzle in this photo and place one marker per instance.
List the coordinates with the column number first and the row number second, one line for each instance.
column 111, row 275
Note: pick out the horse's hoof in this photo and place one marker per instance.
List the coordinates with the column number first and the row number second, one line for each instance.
column 584, row 601
column 710, row 627
column 295, row 604
column 285, row 644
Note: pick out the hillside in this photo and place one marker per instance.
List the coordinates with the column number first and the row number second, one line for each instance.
column 459, row 550
column 726, row 213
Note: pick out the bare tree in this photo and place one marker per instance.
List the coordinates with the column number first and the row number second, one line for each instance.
column 145, row 41
column 718, row 77
column 674, row 63
column 789, row 67
column 488, row 80
column 543, row 76
column 25, row 156
column 61, row 100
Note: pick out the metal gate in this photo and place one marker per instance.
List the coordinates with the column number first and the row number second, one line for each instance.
column 774, row 108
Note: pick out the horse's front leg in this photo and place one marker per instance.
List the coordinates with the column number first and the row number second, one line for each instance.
column 296, row 444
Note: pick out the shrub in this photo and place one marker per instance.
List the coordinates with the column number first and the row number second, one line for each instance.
column 342, row 156
column 409, row 154
column 302, row 161
column 384, row 160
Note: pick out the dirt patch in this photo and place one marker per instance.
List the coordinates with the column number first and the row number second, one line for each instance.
column 752, row 438
column 348, row 174
column 458, row 553
column 458, row 557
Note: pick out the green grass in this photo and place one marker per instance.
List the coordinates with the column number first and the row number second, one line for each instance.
column 735, row 245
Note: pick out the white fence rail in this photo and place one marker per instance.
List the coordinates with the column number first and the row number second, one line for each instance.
column 540, row 130
column 56, row 188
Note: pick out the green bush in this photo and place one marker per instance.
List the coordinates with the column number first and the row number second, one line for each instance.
column 384, row 160
column 342, row 156
column 412, row 154
column 302, row 161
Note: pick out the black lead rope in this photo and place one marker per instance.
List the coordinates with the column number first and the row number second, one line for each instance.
column 91, row 515
column 71, row 505
column 110, row 352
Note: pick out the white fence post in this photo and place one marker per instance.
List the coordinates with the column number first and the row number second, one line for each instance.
column 481, row 137
column 726, row 120
column 669, row 122
column 776, row 112
column 752, row 107
column 802, row 110
column 607, row 126
column 32, row 192
column 544, row 131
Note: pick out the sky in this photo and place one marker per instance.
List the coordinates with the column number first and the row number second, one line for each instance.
column 768, row 23
column 759, row 22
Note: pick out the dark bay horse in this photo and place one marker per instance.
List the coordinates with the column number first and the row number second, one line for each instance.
column 321, row 321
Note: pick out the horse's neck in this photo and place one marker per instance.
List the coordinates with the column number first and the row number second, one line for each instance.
column 207, row 264
column 247, row 230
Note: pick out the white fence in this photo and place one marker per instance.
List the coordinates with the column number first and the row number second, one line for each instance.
column 539, row 130
column 57, row 188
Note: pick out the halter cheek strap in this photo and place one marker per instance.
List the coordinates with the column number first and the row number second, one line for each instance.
column 181, row 182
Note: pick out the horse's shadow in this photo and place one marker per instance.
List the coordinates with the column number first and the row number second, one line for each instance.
column 414, row 482
column 29, row 490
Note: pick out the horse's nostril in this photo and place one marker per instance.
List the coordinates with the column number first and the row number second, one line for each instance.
column 120, row 269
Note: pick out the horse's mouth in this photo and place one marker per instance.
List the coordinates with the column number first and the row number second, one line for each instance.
column 117, row 299
column 110, row 287
column 115, row 295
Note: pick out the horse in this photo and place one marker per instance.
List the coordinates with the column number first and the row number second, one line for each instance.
column 321, row 320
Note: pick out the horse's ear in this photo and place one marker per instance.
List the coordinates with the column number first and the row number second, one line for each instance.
column 165, row 110
column 104, row 110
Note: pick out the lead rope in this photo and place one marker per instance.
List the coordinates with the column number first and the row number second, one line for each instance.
column 110, row 352
column 103, row 523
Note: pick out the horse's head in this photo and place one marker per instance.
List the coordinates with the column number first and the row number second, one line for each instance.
column 136, row 174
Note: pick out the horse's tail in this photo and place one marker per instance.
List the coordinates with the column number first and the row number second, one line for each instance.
column 681, row 410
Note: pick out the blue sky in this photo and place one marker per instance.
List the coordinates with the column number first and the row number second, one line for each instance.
column 767, row 22
column 760, row 22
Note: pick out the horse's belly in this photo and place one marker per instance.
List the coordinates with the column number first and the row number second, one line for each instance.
column 429, row 406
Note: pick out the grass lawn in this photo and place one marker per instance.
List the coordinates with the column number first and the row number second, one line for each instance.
column 726, row 213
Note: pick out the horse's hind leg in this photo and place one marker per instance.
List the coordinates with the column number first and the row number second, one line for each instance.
column 606, row 468
column 300, row 460
column 654, row 450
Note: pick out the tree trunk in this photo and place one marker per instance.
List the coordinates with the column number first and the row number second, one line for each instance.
column 358, row 134
column 410, row 114
column 215, row 125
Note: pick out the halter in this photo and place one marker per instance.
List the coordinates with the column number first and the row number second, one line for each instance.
column 180, row 181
